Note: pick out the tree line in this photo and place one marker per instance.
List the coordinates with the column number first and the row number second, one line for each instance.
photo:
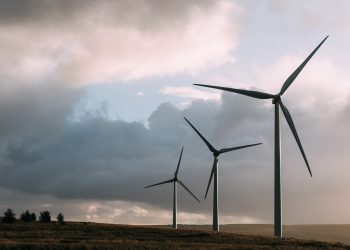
column 26, row 216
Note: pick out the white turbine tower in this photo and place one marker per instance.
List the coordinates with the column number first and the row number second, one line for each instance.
column 277, row 101
column 175, row 180
column 214, row 172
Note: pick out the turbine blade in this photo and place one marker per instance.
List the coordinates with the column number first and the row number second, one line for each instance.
column 183, row 185
column 178, row 164
column 211, row 148
column 224, row 150
column 251, row 93
column 210, row 178
column 294, row 75
column 294, row 131
column 160, row 183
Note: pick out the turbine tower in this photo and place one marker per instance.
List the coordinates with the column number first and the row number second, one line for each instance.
column 277, row 101
column 214, row 172
column 175, row 180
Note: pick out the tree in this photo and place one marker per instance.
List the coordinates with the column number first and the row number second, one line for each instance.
column 60, row 218
column 27, row 216
column 33, row 217
column 9, row 216
column 45, row 217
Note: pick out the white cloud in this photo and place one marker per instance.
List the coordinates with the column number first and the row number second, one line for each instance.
column 140, row 93
column 99, row 43
column 120, row 212
column 310, row 91
column 323, row 84
column 190, row 92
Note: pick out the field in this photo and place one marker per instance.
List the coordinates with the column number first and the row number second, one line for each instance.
column 330, row 233
column 75, row 235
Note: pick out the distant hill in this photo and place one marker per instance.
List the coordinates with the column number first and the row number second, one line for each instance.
column 80, row 235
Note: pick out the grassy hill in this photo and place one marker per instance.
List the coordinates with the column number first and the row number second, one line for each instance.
column 75, row 235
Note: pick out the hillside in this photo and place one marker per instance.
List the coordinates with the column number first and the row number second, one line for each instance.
column 75, row 235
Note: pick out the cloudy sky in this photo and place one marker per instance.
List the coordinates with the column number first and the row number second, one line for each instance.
column 93, row 94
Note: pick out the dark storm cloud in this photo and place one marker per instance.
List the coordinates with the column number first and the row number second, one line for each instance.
column 101, row 159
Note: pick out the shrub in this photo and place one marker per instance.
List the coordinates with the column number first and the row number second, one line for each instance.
column 45, row 217
column 60, row 218
column 27, row 216
column 9, row 216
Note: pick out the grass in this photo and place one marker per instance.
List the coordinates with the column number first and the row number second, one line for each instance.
column 76, row 235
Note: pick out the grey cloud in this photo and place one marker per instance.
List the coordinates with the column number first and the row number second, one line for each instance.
column 237, row 124
column 311, row 15
column 140, row 13
column 40, row 108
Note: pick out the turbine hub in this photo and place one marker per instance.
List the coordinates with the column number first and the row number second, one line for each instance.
column 276, row 99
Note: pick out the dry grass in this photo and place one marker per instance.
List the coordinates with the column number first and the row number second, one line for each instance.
column 329, row 233
column 76, row 235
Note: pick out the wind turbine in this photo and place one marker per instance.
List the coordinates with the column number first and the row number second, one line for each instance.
column 214, row 171
column 175, row 180
column 277, row 101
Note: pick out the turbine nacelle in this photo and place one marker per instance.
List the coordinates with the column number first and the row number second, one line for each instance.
column 216, row 153
column 276, row 99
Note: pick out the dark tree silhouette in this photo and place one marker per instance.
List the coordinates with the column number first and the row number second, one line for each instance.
column 45, row 217
column 9, row 216
column 33, row 217
column 27, row 216
column 60, row 218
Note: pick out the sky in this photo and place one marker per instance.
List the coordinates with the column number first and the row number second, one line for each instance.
column 93, row 95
